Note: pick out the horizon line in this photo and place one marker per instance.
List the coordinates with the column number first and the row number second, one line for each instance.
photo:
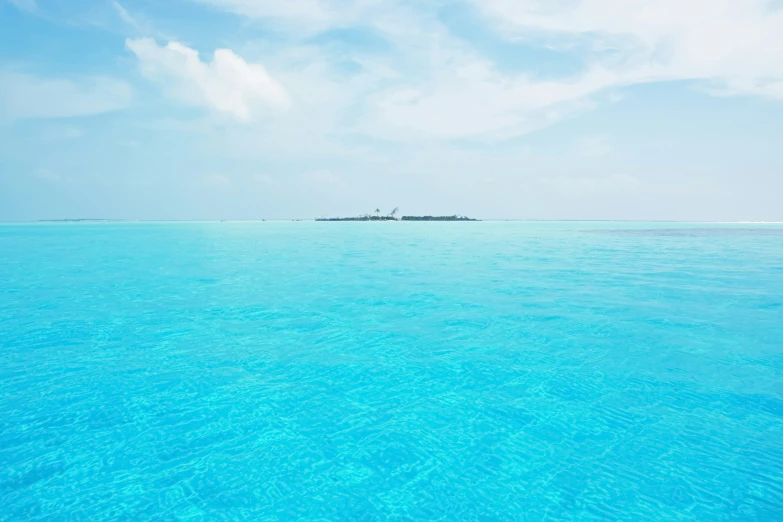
column 477, row 220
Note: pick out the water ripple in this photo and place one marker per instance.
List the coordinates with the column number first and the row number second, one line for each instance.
column 301, row 371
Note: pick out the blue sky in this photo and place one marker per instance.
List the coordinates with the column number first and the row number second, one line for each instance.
column 512, row 109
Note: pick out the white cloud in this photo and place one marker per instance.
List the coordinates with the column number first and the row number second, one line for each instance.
column 24, row 96
column 435, row 86
column 736, row 44
column 473, row 100
column 733, row 46
column 227, row 85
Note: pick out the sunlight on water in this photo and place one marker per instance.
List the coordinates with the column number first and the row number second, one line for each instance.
column 365, row 371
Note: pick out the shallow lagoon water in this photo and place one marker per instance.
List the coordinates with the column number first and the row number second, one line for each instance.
column 391, row 371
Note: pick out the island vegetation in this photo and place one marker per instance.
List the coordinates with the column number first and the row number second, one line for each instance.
column 391, row 216
column 437, row 218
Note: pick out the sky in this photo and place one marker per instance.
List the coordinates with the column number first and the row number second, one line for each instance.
column 506, row 109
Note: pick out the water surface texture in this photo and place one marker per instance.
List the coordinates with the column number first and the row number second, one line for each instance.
column 391, row 371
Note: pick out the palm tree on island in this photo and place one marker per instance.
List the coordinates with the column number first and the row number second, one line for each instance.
column 377, row 213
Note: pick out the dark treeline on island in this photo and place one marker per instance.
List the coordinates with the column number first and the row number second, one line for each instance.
column 360, row 218
column 392, row 214
column 437, row 218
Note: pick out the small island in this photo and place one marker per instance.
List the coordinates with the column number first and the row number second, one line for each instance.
column 391, row 216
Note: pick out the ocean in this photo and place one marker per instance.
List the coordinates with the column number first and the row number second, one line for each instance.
column 391, row 371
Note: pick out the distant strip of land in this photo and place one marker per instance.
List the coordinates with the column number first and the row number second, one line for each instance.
column 403, row 218
column 359, row 218
column 78, row 220
column 437, row 218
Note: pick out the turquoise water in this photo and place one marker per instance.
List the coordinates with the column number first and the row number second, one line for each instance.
column 391, row 371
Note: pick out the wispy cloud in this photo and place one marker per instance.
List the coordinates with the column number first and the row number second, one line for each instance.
column 227, row 85
column 124, row 15
column 51, row 176
column 24, row 96
column 309, row 15
column 25, row 5
column 216, row 180
column 734, row 44
column 57, row 132
column 444, row 89
column 474, row 101
column 594, row 146
column 587, row 186
column 324, row 179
